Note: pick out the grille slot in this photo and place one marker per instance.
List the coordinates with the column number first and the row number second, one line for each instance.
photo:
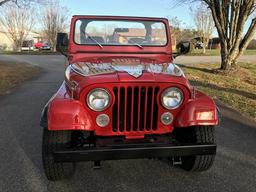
column 115, row 111
column 135, row 109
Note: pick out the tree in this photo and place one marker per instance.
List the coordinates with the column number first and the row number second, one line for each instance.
column 54, row 20
column 4, row 1
column 18, row 22
column 175, row 29
column 230, row 17
column 204, row 23
column 17, row 2
column 181, row 34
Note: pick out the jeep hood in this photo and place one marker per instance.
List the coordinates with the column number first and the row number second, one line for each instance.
column 132, row 66
column 124, row 70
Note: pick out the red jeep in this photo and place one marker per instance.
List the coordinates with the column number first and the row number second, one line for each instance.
column 123, row 98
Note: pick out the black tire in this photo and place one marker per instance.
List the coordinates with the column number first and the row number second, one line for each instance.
column 198, row 134
column 55, row 171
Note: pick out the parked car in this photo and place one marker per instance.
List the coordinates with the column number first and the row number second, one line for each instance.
column 38, row 45
column 125, row 100
column 42, row 46
column 199, row 45
column 46, row 46
column 27, row 45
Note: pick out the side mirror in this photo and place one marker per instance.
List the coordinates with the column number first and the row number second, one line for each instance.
column 183, row 47
column 62, row 43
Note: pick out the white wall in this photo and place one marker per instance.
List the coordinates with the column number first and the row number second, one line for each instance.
column 5, row 41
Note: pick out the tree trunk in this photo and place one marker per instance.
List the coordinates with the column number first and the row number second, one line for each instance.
column 16, row 46
column 228, row 59
column 204, row 50
column 174, row 42
column 225, row 62
column 54, row 48
column 228, row 63
column 225, row 57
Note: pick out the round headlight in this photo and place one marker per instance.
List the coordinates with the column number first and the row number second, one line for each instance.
column 172, row 98
column 98, row 99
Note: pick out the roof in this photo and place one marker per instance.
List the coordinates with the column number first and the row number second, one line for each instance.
column 120, row 17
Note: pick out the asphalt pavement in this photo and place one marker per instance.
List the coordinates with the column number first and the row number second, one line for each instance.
column 20, row 149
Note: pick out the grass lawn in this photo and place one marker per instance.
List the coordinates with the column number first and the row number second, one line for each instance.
column 216, row 52
column 12, row 74
column 237, row 89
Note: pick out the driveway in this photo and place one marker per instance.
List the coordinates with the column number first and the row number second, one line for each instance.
column 211, row 59
column 20, row 154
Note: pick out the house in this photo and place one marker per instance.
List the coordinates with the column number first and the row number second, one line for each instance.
column 252, row 44
column 6, row 42
column 214, row 43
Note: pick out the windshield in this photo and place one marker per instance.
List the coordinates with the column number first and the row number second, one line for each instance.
column 120, row 32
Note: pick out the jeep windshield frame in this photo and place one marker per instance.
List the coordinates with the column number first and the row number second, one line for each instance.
column 77, row 52
column 141, row 33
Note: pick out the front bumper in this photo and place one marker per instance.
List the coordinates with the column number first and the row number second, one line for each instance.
column 135, row 152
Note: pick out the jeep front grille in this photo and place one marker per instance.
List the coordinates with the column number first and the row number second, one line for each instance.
column 135, row 108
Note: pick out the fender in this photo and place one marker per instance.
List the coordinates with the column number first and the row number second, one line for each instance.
column 198, row 111
column 44, row 114
column 65, row 113
column 43, row 119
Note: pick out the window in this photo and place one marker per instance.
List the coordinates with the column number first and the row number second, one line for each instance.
column 120, row 32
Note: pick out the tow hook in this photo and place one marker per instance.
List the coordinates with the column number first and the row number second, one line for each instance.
column 97, row 165
column 176, row 161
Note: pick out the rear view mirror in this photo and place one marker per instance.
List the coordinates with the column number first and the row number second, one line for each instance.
column 121, row 30
column 62, row 43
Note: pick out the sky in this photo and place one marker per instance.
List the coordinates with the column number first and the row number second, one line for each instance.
column 150, row 8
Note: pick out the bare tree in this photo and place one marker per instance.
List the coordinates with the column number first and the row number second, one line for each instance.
column 230, row 17
column 18, row 22
column 204, row 23
column 181, row 34
column 3, row 2
column 18, row 2
column 175, row 29
column 54, row 20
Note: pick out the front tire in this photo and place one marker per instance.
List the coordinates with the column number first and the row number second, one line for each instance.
column 197, row 135
column 51, row 141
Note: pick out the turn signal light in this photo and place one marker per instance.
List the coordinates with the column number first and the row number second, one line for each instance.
column 205, row 115
column 102, row 120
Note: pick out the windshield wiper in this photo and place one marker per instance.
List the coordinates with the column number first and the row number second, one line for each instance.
column 92, row 39
column 137, row 44
column 133, row 42
column 95, row 41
